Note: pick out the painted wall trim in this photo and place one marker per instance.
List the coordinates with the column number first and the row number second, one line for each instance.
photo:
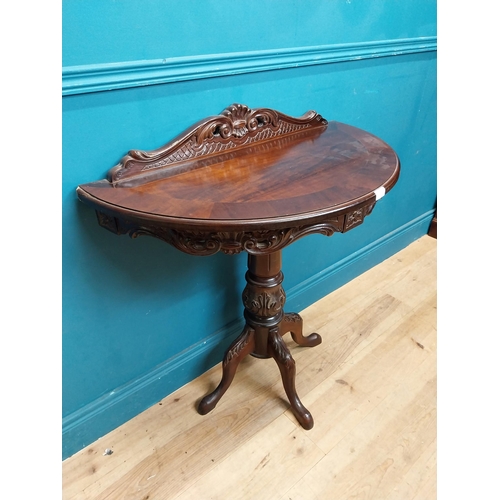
column 111, row 76
column 99, row 417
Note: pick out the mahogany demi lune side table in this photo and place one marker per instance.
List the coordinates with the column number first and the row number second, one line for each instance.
column 255, row 181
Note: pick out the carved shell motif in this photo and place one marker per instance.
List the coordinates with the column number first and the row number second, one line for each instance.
column 236, row 126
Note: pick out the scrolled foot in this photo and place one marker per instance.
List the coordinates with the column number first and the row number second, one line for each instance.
column 311, row 340
column 305, row 419
column 292, row 322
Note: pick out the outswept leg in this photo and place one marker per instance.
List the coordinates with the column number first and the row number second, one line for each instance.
column 242, row 346
column 279, row 351
column 292, row 322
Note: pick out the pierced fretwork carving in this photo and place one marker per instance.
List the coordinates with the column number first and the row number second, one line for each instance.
column 236, row 126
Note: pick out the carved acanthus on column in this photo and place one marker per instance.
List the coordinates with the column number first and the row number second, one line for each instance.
column 264, row 303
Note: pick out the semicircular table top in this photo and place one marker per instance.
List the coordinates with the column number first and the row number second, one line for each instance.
column 249, row 175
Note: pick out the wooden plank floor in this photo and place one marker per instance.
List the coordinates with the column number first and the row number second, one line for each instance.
column 371, row 387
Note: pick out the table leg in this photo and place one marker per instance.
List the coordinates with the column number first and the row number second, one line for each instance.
column 279, row 351
column 242, row 346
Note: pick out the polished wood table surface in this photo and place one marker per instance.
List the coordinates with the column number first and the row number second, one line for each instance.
column 251, row 180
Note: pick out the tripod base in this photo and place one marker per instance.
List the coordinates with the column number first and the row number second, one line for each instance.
column 266, row 323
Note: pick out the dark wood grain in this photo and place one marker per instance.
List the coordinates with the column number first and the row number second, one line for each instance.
column 254, row 181
column 319, row 174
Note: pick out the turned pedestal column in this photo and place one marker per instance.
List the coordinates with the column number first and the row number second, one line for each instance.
column 265, row 324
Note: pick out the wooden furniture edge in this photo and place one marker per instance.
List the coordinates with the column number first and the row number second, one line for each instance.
column 235, row 127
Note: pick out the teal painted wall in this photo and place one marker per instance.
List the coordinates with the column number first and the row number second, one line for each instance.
column 141, row 319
